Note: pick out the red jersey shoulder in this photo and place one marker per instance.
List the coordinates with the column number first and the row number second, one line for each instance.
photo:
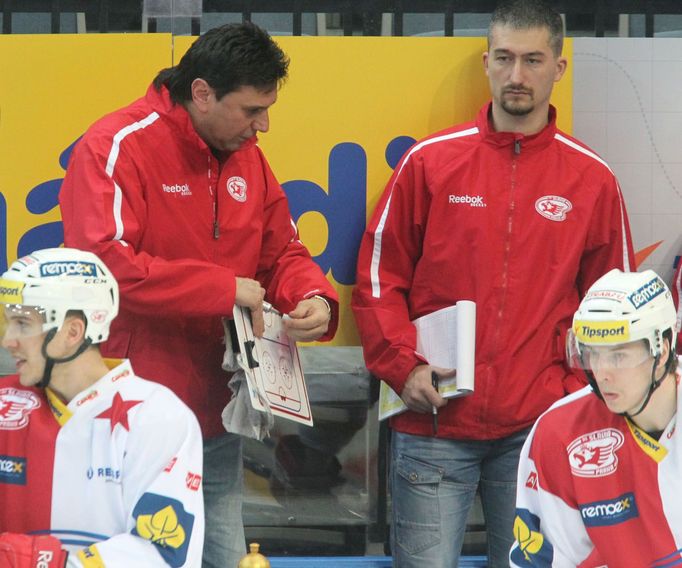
column 17, row 403
column 583, row 413
column 583, row 430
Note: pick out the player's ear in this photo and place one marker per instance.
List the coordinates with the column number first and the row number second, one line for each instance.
column 74, row 329
column 665, row 354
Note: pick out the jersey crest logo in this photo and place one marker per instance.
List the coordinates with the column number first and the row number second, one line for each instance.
column 236, row 187
column 594, row 454
column 553, row 207
column 15, row 407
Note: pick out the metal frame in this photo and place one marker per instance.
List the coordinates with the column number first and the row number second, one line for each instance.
column 367, row 13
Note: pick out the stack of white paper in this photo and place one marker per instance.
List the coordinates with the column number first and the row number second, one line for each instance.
column 445, row 338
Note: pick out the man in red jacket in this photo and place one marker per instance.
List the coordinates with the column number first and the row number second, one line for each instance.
column 511, row 213
column 174, row 194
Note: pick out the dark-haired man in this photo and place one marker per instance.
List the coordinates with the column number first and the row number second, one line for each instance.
column 173, row 193
column 519, row 217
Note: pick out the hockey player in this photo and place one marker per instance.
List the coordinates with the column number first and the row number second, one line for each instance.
column 600, row 475
column 98, row 467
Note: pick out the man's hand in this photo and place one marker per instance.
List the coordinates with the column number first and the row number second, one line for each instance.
column 250, row 294
column 24, row 551
column 419, row 394
column 309, row 321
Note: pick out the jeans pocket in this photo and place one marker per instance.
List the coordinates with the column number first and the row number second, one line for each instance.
column 416, row 508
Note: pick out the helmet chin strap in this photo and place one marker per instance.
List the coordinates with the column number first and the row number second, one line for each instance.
column 652, row 387
column 50, row 361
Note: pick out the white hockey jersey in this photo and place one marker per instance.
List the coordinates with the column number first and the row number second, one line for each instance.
column 595, row 490
column 115, row 474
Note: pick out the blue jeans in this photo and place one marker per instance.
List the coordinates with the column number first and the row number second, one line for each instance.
column 433, row 484
column 224, row 543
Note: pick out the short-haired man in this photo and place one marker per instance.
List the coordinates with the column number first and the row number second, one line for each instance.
column 177, row 198
column 519, row 217
column 94, row 460
column 600, row 475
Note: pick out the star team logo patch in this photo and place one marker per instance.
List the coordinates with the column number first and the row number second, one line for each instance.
column 236, row 187
column 118, row 412
column 553, row 207
column 15, row 407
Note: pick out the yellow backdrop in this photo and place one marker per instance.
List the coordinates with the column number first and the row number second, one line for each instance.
column 349, row 108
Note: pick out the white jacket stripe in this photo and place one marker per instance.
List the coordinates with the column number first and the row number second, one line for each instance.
column 560, row 138
column 376, row 251
column 111, row 164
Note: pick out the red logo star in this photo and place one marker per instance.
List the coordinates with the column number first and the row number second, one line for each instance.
column 118, row 412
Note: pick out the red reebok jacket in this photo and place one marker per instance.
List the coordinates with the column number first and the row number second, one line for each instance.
column 522, row 225
column 176, row 226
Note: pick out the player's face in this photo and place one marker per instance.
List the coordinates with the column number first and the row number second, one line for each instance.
column 23, row 339
column 230, row 121
column 623, row 374
column 522, row 69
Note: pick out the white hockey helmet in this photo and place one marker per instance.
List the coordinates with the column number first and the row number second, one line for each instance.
column 57, row 280
column 623, row 307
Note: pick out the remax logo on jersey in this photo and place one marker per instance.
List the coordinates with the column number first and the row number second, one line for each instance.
column 647, row 292
column 236, row 187
column 13, row 470
column 611, row 512
column 178, row 189
column 470, row 200
column 553, row 207
column 70, row 267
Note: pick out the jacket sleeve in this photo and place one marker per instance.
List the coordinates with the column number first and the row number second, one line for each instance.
column 286, row 269
column 676, row 289
column 389, row 251
column 548, row 530
column 103, row 210
column 162, row 492
column 608, row 246
column 609, row 242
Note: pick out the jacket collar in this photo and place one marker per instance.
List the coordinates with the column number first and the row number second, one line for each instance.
column 534, row 141
column 178, row 116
